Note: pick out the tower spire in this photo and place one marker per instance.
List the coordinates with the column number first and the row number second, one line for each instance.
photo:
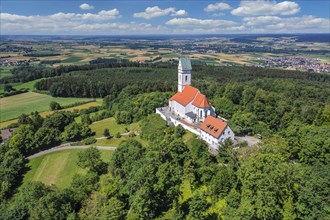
column 184, row 72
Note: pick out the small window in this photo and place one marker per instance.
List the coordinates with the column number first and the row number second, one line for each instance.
column 186, row 78
column 228, row 132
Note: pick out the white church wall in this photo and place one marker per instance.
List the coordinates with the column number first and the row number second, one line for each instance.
column 161, row 114
column 176, row 123
column 189, row 107
column 178, row 108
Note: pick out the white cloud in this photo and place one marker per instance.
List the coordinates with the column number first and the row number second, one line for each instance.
column 86, row 6
column 262, row 7
column 152, row 12
column 217, row 6
column 62, row 17
column 218, row 14
column 180, row 13
column 58, row 23
column 200, row 22
column 261, row 20
column 274, row 24
column 103, row 23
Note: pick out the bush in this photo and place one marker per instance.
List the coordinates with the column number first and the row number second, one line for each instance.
column 131, row 134
column 106, row 132
column 90, row 140
column 54, row 106
column 8, row 88
column 243, row 144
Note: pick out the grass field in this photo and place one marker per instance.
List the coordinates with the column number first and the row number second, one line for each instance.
column 58, row 168
column 28, row 85
column 18, row 86
column 114, row 142
column 5, row 71
column 13, row 106
column 46, row 113
column 110, row 123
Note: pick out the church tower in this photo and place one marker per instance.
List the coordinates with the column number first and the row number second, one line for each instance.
column 184, row 72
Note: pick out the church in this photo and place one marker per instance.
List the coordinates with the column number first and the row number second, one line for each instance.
column 192, row 110
column 189, row 102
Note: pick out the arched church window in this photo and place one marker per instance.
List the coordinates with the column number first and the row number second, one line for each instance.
column 186, row 78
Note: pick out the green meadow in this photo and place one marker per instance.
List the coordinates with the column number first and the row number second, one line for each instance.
column 13, row 106
column 58, row 168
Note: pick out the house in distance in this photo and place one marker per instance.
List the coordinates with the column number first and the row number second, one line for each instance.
column 192, row 110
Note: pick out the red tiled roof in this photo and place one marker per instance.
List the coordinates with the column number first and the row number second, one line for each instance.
column 5, row 134
column 201, row 101
column 186, row 96
column 213, row 126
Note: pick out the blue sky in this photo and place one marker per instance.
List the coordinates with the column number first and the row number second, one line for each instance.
column 163, row 17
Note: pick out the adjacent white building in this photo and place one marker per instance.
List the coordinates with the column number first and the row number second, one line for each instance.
column 215, row 131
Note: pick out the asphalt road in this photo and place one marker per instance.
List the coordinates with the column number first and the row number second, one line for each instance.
column 61, row 147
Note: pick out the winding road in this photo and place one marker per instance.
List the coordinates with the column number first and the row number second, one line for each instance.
column 66, row 147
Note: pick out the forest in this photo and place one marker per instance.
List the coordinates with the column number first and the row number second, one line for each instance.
column 285, row 177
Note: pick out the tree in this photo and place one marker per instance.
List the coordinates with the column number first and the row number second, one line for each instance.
column 24, row 119
column 93, row 206
column 197, row 207
column 59, row 120
column 54, row 106
column 266, row 179
column 12, row 165
column 8, row 88
column 91, row 159
column 36, row 120
column 72, row 132
column 125, row 155
column 114, row 210
column 179, row 131
column 76, row 131
column 83, row 185
column 85, row 119
column 45, row 138
column 289, row 210
column 106, row 132
column 23, row 140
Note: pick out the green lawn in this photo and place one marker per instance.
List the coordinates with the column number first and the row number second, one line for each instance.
column 18, row 86
column 58, row 168
column 72, row 59
column 110, row 123
column 114, row 142
column 27, row 85
column 13, row 106
column 5, row 71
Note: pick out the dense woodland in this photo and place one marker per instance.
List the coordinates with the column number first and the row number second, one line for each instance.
column 286, row 177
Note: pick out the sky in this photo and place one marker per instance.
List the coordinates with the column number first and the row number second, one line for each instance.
column 145, row 17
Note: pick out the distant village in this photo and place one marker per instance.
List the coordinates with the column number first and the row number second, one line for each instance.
column 297, row 63
column 8, row 62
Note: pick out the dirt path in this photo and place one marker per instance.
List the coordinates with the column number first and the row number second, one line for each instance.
column 61, row 147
